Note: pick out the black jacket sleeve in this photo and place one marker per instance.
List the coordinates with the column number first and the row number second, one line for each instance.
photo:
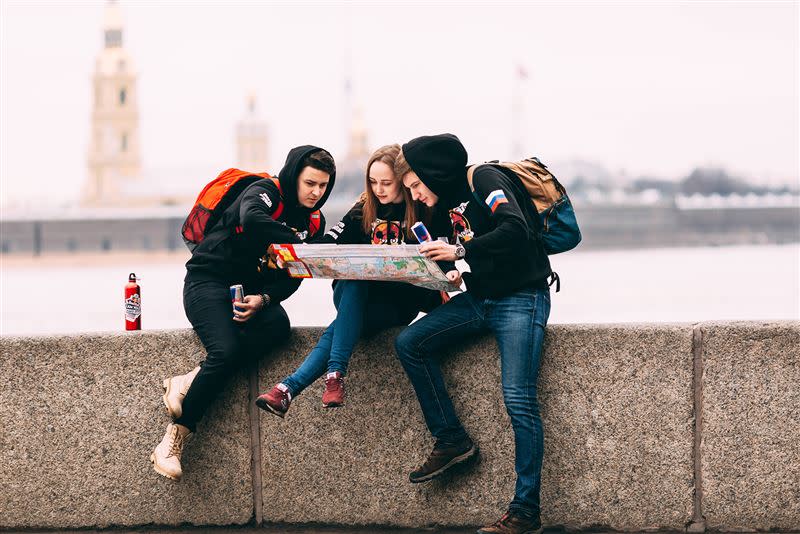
column 282, row 287
column 497, row 192
column 260, row 229
column 259, row 202
column 348, row 231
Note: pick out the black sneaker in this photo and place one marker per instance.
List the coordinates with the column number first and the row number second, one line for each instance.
column 512, row 523
column 442, row 458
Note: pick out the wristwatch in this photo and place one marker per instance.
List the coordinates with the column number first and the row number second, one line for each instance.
column 265, row 300
column 460, row 251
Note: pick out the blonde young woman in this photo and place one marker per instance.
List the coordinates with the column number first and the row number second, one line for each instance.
column 383, row 215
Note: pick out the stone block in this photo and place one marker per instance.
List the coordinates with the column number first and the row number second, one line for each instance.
column 751, row 425
column 618, row 415
column 80, row 416
column 618, row 408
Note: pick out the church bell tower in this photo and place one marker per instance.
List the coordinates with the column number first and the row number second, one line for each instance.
column 114, row 152
column 251, row 139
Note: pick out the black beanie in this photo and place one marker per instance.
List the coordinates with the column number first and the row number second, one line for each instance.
column 440, row 161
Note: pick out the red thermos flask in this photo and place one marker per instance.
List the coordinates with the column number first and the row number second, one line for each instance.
column 133, row 304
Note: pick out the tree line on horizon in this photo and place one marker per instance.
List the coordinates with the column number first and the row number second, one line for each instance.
column 702, row 181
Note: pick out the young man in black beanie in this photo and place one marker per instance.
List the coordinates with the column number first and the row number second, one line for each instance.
column 507, row 294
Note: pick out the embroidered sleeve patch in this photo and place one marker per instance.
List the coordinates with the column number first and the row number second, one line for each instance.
column 496, row 198
column 336, row 230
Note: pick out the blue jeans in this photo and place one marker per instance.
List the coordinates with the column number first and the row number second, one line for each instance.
column 518, row 322
column 355, row 313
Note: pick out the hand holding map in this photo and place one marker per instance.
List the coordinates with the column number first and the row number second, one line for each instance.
column 394, row 263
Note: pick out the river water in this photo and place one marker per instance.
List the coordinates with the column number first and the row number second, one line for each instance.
column 82, row 293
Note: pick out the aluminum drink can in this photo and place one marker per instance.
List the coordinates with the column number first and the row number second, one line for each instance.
column 237, row 295
column 421, row 233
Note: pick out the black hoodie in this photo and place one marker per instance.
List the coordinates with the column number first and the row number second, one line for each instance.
column 500, row 233
column 234, row 257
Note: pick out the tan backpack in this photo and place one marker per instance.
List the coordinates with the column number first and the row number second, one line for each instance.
column 560, row 230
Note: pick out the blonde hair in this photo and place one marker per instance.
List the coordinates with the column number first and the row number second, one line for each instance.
column 401, row 166
column 390, row 155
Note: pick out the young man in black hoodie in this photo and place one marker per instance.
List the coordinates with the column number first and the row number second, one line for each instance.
column 233, row 252
column 507, row 294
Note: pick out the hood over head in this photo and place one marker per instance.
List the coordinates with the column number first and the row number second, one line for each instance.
column 291, row 171
column 440, row 161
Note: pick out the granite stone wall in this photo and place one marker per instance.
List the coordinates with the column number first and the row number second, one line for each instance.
column 80, row 416
column 646, row 426
column 751, row 426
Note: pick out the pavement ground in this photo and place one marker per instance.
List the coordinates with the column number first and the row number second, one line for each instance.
column 315, row 529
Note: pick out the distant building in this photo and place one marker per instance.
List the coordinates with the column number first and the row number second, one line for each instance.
column 114, row 150
column 252, row 140
column 350, row 169
column 117, row 178
column 358, row 151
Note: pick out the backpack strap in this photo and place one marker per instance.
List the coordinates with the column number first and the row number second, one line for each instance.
column 314, row 222
column 554, row 279
column 470, row 173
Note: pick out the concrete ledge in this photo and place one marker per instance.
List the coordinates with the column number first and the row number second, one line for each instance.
column 80, row 414
column 617, row 405
column 617, row 409
column 79, row 417
column 751, row 434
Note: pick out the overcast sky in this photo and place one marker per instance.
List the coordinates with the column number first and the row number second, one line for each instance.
column 648, row 88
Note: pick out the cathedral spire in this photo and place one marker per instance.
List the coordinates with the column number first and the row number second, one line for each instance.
column 252, row 138
column 112, row 25
column 114, row 158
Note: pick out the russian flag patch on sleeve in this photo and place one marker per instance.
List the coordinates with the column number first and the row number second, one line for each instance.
column 496, row 198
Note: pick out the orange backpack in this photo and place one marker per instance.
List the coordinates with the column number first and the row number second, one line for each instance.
column 218, row 195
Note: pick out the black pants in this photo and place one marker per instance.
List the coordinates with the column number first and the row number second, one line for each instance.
column 229, row 345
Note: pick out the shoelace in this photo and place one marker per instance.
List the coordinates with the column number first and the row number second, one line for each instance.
column 333, row 384
column 427, row 466
column 282, row 398
column 503, row 522
column 176, row 445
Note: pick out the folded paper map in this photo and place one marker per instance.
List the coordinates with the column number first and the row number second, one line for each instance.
column 395, row 263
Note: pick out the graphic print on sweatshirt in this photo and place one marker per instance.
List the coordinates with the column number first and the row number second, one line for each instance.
column 462, row 230
column 387, row 233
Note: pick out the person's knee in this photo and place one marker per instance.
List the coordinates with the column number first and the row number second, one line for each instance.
column 405, row 344
column 223, row 354
column 282, row 326
column 277, row 324
column 519, row 399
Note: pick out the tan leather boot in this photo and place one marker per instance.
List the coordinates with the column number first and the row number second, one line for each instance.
column 175, row 390
column 166, row 457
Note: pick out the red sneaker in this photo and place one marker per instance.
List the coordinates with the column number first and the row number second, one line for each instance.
column 276, row 401
column 334, row 390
